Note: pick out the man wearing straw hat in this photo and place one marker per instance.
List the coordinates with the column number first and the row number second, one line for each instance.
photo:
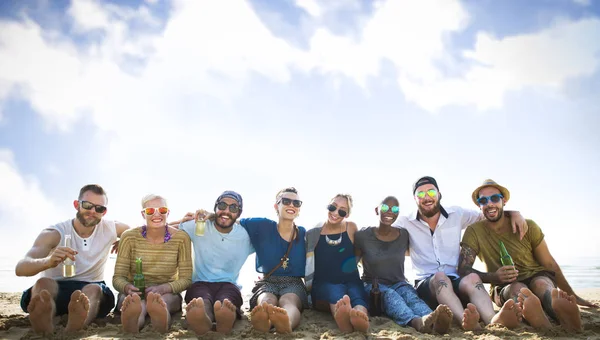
column 535, row 275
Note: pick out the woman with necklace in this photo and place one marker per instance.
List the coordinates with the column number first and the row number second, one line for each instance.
column 335, row 285
column 382, row 249
column 279, row 298
column 167, row 268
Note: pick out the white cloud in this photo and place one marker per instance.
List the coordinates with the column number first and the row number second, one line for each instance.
column 583, row 2
column 312, row 7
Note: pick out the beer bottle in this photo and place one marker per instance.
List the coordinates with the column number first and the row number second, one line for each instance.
column 68, row 264
column 375, row 303
column 138, row 279
column 505, row 257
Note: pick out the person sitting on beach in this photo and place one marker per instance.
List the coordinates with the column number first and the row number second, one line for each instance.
column 332, row 274
column 167, row 268
column 220, row 251
column 84, row 296
column 382, row 250
column 535, row 275
column 434, row 233
column 279, row 298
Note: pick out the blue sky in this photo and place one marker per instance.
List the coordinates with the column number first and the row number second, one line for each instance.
column 189, row 98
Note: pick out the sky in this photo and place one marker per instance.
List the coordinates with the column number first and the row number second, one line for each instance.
column 188, row 98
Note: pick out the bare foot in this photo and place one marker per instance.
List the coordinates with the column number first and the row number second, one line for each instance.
column 130, row 313
column 532, row 309
column 259, row 318
column 470, row 320
column 197, row 319
column 159, row 315
column 567, row 312
column 342, row 315
column 359, row 320
column 443, row 320
column 79, row 307
column 509, row 316
column 41, row 313
column 280, row 319
column 419, row 324
column 225, row 314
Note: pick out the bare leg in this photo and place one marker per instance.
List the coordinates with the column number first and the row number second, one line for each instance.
column 225, row 314
column 41, row 311
column 197, row 318
column 79, row 307
column 470, row 320
column 292, row 305
column 158, row 310
column 259, row 318
column 443, row 320
column 509, row 316
column 441, row 287
column 567, row 311
column 532, row 309
column 131, row 313
column 472, row 287
column 95, row 297
column 280, row 319
column 341, row 314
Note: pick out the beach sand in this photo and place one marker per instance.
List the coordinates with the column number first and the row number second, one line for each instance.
column 14, row 324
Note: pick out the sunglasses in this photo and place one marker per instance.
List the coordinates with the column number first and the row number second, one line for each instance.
column 288, row 201
column 151, row 211
column 384, row 208
column 484, row 200
column 233, row 208
column 431, row 192
column 333, row 208
column 89, row 206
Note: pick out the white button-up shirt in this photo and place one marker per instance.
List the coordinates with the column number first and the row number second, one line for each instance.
column 437, row 252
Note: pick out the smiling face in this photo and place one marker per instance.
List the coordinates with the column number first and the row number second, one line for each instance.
column 225, row 218
column 287, row 212
column 389, row 217
column 428, row 206
column 492, row 211
column 156, row 220
column 341, row 203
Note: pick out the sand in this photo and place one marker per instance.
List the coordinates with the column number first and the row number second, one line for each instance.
column 14, row 324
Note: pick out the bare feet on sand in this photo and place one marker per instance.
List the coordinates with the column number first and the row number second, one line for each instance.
column 225, row 314
column 41, row 313
column 259, row 318
column 470, row 320
column 130, row 313
column 79, row 307
column 279, row 319
column 197, row 319
column 509, row 316
column 359, row 320
column 342, row 315
column 532, row 309
column 157, row 309
column 438, row 321
column 567, row 312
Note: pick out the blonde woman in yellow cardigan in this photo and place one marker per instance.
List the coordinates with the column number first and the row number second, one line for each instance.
column 166, row 258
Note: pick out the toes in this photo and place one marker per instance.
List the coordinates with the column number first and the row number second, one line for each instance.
column 554, row 293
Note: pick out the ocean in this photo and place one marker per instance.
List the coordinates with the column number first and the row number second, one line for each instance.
column 581, row 272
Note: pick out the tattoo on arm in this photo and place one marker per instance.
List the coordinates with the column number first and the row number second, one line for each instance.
column 465, row 266
column 441, row 284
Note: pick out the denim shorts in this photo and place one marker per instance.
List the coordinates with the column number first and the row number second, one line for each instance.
column 66, row 288
column 324, row 293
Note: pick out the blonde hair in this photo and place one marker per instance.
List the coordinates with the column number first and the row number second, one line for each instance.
column 151, row 197
column 348, row 198
column 283, row 191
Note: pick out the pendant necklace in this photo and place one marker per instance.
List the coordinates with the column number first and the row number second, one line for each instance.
column 335, row 242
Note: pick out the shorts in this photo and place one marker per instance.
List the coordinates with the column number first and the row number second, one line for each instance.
column 422, row 287
column 324, row 294
column 216, row 291
column 278, row 286
column 498, row 291
column 65, row 289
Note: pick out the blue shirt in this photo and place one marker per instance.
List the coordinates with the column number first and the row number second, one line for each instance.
column 270, row 247
column 218, row 257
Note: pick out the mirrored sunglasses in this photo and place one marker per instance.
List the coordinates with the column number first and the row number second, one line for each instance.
column 385, row 208
column 431, row 193
column 151, row 211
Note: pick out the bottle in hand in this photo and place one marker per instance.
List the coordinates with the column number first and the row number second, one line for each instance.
column 505, row 257
column 138, row 279
column 68, row 264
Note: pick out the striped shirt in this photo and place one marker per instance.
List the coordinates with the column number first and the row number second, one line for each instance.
column 169, row 262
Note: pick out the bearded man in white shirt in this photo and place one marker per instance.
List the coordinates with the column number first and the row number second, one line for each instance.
column 434, row 245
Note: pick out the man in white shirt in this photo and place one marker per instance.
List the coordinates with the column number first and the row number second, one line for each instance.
column 83, row 296
column 434, row 243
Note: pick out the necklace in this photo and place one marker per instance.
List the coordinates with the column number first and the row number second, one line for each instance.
column 335, row 242
column 167, row 233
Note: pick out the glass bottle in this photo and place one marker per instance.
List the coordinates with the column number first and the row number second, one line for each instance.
column 200, row 226
column 138, row 279
column 505, row 257
column 375, row 307
column 68, row 264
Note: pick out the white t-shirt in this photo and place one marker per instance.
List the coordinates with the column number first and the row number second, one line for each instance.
column 92, row 251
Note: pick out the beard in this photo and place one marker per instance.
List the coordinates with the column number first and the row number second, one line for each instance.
column 498, row 214
column 90, row 222
column 430, row 212
column 225, row 226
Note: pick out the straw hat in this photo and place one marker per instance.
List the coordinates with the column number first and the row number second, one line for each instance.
column 490, row 183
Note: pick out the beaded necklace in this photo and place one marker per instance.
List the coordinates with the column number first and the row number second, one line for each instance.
column 167, row 233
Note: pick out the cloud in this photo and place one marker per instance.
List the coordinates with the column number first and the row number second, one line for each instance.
column 583, row 2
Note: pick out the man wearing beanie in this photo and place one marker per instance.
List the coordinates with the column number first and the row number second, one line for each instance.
column 533, row 275
column 219, row 255
column 434, row 241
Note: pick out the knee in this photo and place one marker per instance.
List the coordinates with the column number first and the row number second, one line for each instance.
column 45, row 283
column 541, row 286
column 440, row 280
column 470, row 283
column 92, row 291
column 515, row 288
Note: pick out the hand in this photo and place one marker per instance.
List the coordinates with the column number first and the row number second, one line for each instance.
column 115, row 247
column 160, row 289
column 586, row 303
column 519, row 223
column 131, row 289
column 506, row 274
column 188, row 217
column 201, row 215
column 59, row 255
